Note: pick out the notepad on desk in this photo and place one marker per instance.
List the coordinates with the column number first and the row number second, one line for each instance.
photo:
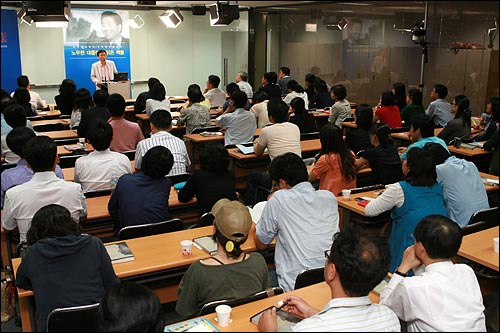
column 245, row 150
column 206, row 243
column 119, row 252
column 489, row 181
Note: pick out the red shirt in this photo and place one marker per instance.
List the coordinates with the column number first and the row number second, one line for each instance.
column 390, row 115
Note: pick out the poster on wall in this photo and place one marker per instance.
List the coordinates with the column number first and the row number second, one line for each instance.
column 11, row 54
column 90, row 31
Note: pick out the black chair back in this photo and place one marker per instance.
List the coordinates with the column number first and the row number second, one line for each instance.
column 143, row 230
column 206, row 219
column 309, row 136
column 206, row 129
column 179, row 178
column 100, row 193
column 481, row 220
column 68, row 161
column 50, row 127
column 210, row 306
column 73, row 319
column 6, row 166
column 399, row 129
column 309, row 276
column 61, row 142
column 130, row 154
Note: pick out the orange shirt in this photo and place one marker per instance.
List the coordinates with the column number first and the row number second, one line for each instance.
column 328, row 169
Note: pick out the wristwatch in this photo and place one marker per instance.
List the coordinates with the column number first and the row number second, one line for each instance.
column 401, row 274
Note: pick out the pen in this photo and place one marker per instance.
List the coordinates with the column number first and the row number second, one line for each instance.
column 282, row 306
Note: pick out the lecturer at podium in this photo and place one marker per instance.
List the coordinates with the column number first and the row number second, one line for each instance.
column 103, row 71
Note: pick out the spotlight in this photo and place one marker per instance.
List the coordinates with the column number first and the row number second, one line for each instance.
column 172, row 18
column 136, row 23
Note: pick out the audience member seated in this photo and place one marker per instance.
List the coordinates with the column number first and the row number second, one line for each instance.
column 126, row 134
column 23, row 201
column 66, row 100
column 158, row 100
column 442, row 296
column 270, row 85
column 309, row 84
column 421, row 133
column 130, row 307
column 399, row 91
column 463, row 188
column 242, row 81
column 213, row 182
column 341, row 109
column 302, row 220
column 142, row 197
column 22, row 98
column 321, row 98
column 212, row 93
column 196, row 115
column 14, row 116
column 358, row 138
column 355, row 264
column 6, row 101
column 492, row 108
column 410, row 200
column 458, row 127
column 387, row 112
column 284, row 79
column 334, row 165
column 35, row 99
column 382, row 157
column 63, row 267
column 439, row 109
column 492, row 144
column 413, row 107
column 95, row 170
column 295, row 90
column 239, row 124
column 230, row 273
column 301, row 117
column 83, row 103
column 204, row 101
column 99, row 111
column 140, row 101
column 259, row 109
column 21, row 173
column 230, row 89
column 161, row 125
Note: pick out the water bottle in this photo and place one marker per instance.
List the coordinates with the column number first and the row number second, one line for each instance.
column 113, row 180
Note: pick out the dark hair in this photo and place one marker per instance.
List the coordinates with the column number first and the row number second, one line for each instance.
column 214, row 80
column 17, row 138
column 236, row 252
column 361, row 260
column 440, row 154
column 23, row 81
column 364, row 116
column 116, row 105
column 387, row 98
column 83, row 99
column 231, row 88
column 100, row 134
column 151, row 82
column 7, row 101
column 214, row 157
column 158, row 92
column 157, row 162
column 332, row 141
column 277, row 109
column 130, row 307
column 495, row 106
column 440, row 236
column 260, row 96
column 399, row 93
column 51, row 221
column 288, row 167
column 15, row 115
column 239, row 98
column 4, row 94
column 101, row 51
column 299, row 109
column 40, row 152
column 422, row 168
column 22, row 96
column 285, row 70
column 320, row 85
column 100, row 97
column 309, row 78
column 115, row 16
column 271, row 77
column 195, row 86
column 68, row 87
column 463, row 110
column 383, row 133
column 416, row 96
column 441, row 90
column 339, row 91
column 425, row 124
column 295, row 86
column 195, row 95
column 161, row 120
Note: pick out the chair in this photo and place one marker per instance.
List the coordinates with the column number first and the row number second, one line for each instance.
column 148, row 229
column 130, row 154
column 100, row 193
column 61, row 142
column 206, row 219
column 399, row 129
column 309, row 136
column 206, row 129
column 179, row 178
column 65, row 116
column 210, row 306
column 6, row 166
column 73, row 319
column 68, row 161
column 50, row 127
column 309, row 276
column 379, row 225
column 481, row 220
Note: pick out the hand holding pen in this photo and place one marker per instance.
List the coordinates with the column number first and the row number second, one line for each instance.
column 297, row 306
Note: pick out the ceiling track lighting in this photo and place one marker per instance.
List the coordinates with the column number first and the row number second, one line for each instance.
column 172, row 18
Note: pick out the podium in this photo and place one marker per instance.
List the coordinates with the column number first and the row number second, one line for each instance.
column 120, row 87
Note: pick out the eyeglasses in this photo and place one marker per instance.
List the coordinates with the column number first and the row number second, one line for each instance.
column 327, row 254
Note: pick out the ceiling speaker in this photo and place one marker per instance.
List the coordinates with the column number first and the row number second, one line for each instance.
column 223, row 14
column 199, row 10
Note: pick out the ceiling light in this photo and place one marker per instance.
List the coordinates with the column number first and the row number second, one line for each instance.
column 51, row 22
column 136, row 23
column 311, row 27
column 172, row 18
column 223, row 14
column 24, row 17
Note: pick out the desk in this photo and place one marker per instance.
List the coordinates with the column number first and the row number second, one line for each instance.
column 404, row 137
column 61, row 151
column 157, row 258
column 480, row 157
column 57, row 135
column 478, row 247
column 65, row 122
column 49, row 114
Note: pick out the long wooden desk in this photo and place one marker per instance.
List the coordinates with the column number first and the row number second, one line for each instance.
column 50, row 121
column 159, row 263
column 478, row 247
column 405, row 139
column 62, row 151
column 49, row 114
column 56, row 135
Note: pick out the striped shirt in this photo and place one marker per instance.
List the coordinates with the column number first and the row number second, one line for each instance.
column 176, row 146
column 352, row 314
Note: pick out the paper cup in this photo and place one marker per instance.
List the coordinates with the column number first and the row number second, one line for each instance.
column 495, row 244
column 187, row 246
column 81, row 143
column 346, row 194
column 223, row 314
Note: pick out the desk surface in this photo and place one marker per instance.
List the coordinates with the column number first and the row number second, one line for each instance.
column 62, row 151
column 406, row 135
column 306, row 145
column 198, row 138
column 49, row 114
column 478, row 247
column 50, row 121
column 65, row 134
column 469, row 152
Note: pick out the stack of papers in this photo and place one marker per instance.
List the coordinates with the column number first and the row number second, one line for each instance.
column 245, row 150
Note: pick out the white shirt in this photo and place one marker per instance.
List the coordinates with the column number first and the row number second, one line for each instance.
column 23, row 201
column 101, row 73
column 95, row 170
column 152, row 105
column 246, row 88
column 259, row 110
column 216, row 97
column 444, row 298
column 281, row 138
column 35, row 99
column 288, row 98
column 351, row 314
column 393, row 196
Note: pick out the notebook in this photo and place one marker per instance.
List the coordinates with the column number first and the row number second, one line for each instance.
column 119, row 252
column 245, row 150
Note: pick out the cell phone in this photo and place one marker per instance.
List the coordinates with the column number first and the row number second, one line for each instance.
column 285, row 319
column 359, row 199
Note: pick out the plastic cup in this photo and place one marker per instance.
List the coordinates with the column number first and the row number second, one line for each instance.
column 495, row 244
column 346, row 194
column 81, row 143
column 223, row 314
column 186, row 246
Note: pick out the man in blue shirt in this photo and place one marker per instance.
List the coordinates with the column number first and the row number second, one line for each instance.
column 439, row 109
column 421, row 133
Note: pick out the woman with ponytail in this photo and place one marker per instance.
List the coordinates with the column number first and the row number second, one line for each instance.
column 459, row 127
column 383, row 157
column 229, row 273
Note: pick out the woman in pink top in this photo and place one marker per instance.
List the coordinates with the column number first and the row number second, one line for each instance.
column 334, row 164
column 388, row 112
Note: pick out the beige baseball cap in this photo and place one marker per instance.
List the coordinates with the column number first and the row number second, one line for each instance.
column 232, row 219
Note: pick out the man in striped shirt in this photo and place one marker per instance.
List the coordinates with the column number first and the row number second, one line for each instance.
column 355, row 264
column 161, row 125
